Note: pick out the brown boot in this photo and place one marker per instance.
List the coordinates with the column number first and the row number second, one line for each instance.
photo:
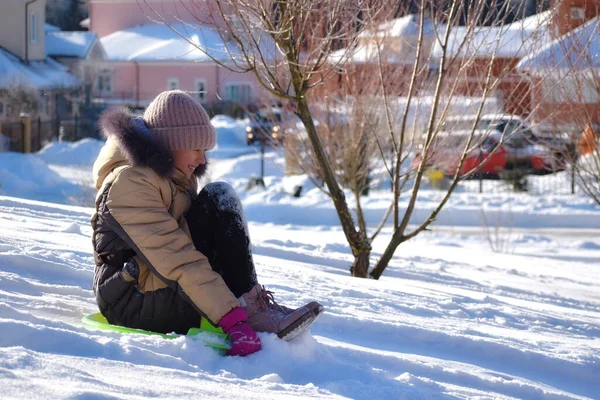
column 315, row 307
column 265, row 315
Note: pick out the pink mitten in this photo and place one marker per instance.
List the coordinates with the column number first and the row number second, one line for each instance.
column 244, row 340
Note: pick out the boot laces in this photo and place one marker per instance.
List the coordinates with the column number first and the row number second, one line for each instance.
column 268, row 301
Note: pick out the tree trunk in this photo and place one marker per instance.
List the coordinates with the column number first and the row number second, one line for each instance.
column 359, row 243
column 387, row 255
column 360, row 266
column 362, row 224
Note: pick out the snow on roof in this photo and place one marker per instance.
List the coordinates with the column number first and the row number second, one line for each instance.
column 398, row 27
column 51, row 28
column 155, row 42
column 367, row 53
column 69, row 44
column 513, row 40
column 47, row 74
column 578, row 49
column 367, row 50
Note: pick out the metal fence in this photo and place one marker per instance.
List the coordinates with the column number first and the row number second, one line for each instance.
column 563, row 182
column 12, row 136
column 560, row 182
column 44, row 131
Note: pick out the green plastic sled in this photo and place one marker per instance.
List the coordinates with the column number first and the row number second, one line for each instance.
column 212, row 336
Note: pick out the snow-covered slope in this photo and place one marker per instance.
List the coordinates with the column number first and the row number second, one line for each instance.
column 449, row 319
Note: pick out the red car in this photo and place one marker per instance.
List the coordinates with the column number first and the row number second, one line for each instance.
column 491, row 151
column 494, row 156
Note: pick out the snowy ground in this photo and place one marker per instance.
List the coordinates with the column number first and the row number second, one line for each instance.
column 449, row 318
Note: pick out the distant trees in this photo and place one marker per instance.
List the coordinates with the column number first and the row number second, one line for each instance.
column 66, row 14
column 495, row 11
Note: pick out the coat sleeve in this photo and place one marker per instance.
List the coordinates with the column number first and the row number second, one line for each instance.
column 136, row 211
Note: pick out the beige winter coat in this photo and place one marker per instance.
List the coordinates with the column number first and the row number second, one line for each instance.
column 150, row 208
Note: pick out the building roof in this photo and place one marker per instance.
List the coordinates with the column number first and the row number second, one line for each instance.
column 158, row 42
column 368, row 53
column 513, row 40
column 70, row 44
column 578, row 49
column 51, row 28
column 400, row 27
column 369, row 50
column 46, row 74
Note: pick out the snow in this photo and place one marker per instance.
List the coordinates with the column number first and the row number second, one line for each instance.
column 231, row 136
column 152, row 42
column 399, row 37
column 83, row 152
column 46, row 74
column 69, row 44
column 407, row 25
column 513, row 40
column 367, row 53
column 450, row 318
column 578, row 49
column 30, row 177
column 51, row 28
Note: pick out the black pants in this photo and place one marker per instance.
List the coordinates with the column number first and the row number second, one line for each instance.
column 219, row 231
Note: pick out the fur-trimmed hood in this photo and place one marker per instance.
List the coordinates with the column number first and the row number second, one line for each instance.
column 129, row 142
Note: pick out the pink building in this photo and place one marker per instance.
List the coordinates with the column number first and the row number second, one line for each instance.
column 153, row 46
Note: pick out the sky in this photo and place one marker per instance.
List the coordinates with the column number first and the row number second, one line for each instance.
column 499, row 300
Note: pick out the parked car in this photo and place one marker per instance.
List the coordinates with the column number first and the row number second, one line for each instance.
column 499, row 143
column 265, row 126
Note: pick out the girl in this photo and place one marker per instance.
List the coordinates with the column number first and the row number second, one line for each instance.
column 165, row 255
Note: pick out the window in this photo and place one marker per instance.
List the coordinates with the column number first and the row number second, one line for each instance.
column 239, row 92
column 2, row 109
column 200, row 89
column 507, row 128
column 104, row 81
column 173, row 84
column 488, row 145
column 517, row 141
column 577, row 13
column 33, row 27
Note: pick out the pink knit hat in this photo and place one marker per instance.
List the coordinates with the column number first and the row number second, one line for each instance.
column 179, row 122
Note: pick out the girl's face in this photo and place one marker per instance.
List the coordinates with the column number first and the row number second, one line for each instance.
column 187, row 160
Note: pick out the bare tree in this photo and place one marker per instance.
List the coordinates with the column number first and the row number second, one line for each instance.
column 297, row 48
column 444, row 67
column 287, row 45
column 350, row 124
column 66, row 14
